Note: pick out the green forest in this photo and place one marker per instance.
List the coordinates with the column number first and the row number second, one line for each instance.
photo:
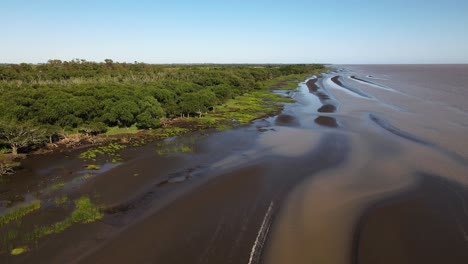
column 40, row 101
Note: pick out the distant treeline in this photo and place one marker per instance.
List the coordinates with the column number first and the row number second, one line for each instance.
column 71, row 94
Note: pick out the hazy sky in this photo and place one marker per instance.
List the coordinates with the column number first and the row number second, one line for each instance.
column 235, row 31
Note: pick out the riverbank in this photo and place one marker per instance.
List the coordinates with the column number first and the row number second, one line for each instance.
column 70, row 169
column 239, row 110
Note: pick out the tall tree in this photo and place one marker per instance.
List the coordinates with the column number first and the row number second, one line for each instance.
column 20, row 135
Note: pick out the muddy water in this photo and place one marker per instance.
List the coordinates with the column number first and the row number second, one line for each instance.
column 369, row 166
column 401, row 196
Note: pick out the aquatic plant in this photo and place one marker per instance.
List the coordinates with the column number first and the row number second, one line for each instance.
column 18, row 251
column 122, row 130
column 61, row 200
column 116, row 160
column 109, row 150
column 85, row 212
column 243, row 109
column 19, row 212
column 11, row 234
column 138, row 142
column 55, row 186
column 170, row 132
column 93, row 167
column 174, row 147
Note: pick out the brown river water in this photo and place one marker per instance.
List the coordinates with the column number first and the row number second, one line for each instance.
column 369, row 166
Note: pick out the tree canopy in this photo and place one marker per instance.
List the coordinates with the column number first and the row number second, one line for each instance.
column 89, row 96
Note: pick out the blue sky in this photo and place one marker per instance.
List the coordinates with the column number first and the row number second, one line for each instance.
column 208, row 31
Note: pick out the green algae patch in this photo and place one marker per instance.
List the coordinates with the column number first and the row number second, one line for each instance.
column 18, row 251
column 111, row 131
column 138, row 142
column 173, row 149
column 55, row 186
column 92, row 167
column 85, row 212
column 169, row 132
column 61, row 200
column 19, row 212
column 110, row 150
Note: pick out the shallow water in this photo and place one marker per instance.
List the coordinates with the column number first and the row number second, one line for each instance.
column 369, row 166
column 408, row 160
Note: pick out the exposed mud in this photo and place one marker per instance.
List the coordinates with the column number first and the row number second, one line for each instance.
column 401, row 196
column 286, row 120
column 420, row 226
column 336, row 80
column 327, row 121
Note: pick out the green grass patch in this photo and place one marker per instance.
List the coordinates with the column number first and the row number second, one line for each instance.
column 122, row 130
column 172, row 149
column 170, row 132
column 288, row 82
column 244, row 109
column 54, row 187
column 85, row 212
column 138, row 142
column 19, row 212
column 61, row 200
column 18, row 251
column 185, row 149
column 110, row 150
column 224, row 127
column 4, row 150
column 92, row 167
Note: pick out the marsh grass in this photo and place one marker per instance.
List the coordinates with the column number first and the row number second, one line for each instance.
column 170, row 132
column 56, row 186
column 19, row 212
column 110, row 150
column 173, row 148
column 288, row 82
column 138, row 142
column 85, row 212
column 244, row 109
column 92, row 167
column 122, row 130
column 61, row 200
column 18, row 251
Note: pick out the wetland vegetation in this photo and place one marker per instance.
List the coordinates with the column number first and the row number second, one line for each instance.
column 110, row 107
column 69, row 102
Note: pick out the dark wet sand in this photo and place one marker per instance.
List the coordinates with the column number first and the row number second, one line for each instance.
column 420, row 226
column 357, row 91
column 338, row 177
column 401, row 195
column 219, row 221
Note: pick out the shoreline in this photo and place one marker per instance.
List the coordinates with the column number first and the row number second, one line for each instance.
column 135, row 193
column 271, row 105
